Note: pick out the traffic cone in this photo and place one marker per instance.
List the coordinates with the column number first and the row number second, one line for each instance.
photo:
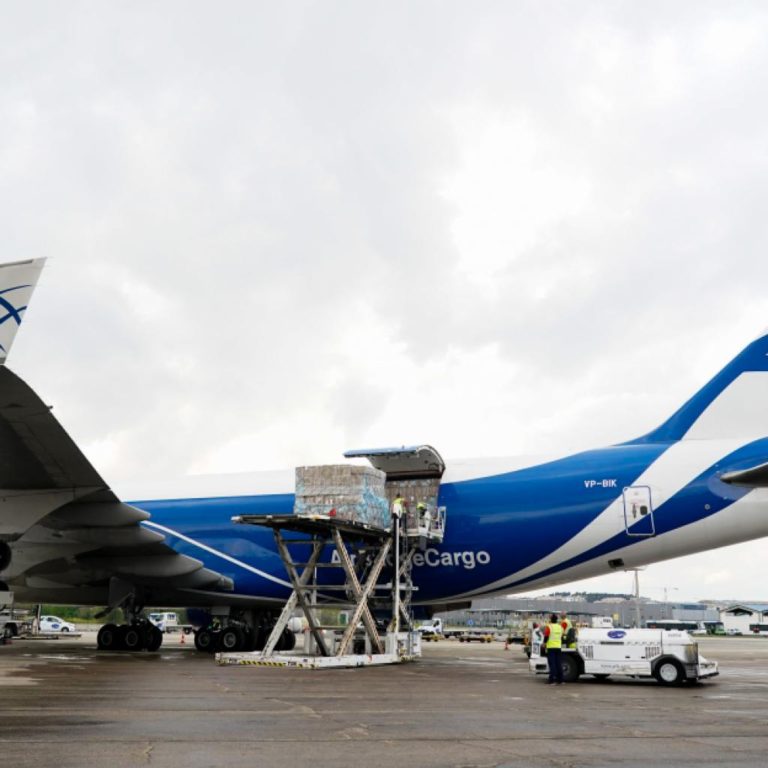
column 182, row 638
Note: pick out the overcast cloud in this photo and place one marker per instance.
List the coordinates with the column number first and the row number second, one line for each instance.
column 277, row 231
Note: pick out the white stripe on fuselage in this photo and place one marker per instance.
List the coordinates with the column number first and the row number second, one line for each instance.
column 284, row 481
column 667, row 476
column 460, row 470
column 741, row 521
column 218, row 553
column 231, row 485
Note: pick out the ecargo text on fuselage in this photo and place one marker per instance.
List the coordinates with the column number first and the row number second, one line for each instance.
column 434, row 558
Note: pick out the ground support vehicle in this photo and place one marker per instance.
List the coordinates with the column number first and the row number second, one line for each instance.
column 465, row 635
column 355, row 647
column 6, row 631
column 165, row 621
column 431, row 630
column 13, row 623
column 364, row 527
column 670, row 656
column 462, row 635
column 168, row 622
column 435, row 630
column 351, row 525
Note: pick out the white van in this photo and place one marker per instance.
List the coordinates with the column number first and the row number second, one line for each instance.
column 165, row 622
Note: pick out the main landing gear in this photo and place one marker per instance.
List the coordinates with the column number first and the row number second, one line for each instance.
column 137, row 634
column 140, row 635
column 239, row 637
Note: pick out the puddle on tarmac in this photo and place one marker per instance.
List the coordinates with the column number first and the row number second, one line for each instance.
column 17, row 680
column 62, row 657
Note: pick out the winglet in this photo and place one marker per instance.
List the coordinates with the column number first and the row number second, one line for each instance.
column 17, row 281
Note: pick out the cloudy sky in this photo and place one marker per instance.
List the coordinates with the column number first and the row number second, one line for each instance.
column 278, row 231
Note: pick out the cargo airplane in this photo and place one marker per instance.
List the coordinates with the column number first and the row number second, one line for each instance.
column 697, row 482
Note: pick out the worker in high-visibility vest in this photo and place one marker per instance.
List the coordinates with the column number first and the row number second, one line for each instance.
column 425, row 516
column 553, row 633
column 569, row 631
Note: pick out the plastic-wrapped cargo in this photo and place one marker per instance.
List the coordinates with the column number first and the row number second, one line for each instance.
column 345, row 491
column 414, row 490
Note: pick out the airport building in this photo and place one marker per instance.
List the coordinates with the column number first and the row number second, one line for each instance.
column 745, row 619
column 512, row 611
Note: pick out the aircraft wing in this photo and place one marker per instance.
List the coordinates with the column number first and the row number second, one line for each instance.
column 70, row 531
column 63, row 531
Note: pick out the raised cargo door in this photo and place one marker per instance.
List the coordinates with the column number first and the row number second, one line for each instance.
column 638, row 511
column 407, row 462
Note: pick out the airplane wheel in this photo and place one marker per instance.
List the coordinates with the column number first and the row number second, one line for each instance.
column 154, row 639
column 230, row 640
column 249, row 639
column 261, row 637
column 287, row 641
column 108, row 638
column 133, row 638
column 5, row 555
column 205, row 640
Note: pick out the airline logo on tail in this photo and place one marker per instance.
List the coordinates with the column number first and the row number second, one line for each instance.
column 17, row 281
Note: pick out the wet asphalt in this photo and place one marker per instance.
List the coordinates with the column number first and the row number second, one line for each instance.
column 62, row 703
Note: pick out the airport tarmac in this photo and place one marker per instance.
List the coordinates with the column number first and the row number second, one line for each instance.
column 65, row 704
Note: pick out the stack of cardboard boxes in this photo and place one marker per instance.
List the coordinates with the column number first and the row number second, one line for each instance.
column 344, row 491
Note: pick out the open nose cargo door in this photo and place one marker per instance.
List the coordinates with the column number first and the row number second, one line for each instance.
column 413, row 473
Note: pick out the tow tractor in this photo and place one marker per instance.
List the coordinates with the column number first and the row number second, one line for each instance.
column 7, row 625
column 670, row 656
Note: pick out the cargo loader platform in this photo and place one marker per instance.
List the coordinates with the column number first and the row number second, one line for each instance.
column 343, row 520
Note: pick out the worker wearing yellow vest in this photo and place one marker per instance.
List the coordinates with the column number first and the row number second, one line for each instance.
column 553, row 633
column 569, row 631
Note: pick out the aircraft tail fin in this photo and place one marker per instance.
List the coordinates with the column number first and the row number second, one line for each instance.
column 17, row 282
column 734, row 404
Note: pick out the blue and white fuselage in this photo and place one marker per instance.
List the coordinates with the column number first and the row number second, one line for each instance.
column 697, row 482
column 514, row 527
